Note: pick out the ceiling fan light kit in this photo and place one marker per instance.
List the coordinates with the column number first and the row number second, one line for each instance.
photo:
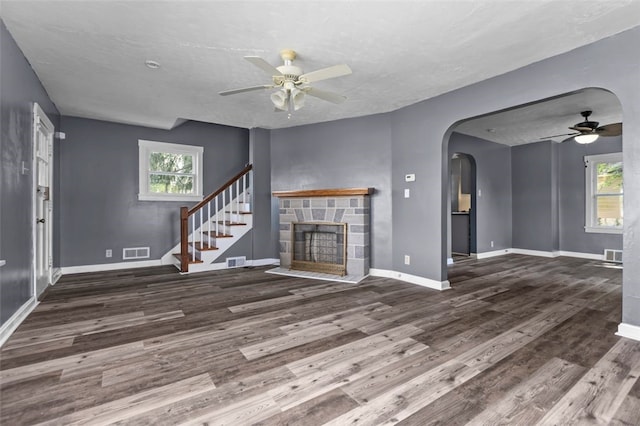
column 588, row 138
column 292, row 83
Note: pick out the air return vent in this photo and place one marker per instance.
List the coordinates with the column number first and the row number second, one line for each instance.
column 236, row 262
column 613, row 255
column 135, row 253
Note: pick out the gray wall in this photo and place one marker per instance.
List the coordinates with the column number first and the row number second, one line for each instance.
column 99, row 207
column 533, row 193
column 20, row 89
column 572, row 197
column 265, row 207
column 493, row 179
column 420, row 134
column 341, row 154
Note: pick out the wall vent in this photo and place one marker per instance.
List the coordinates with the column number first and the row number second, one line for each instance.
column 135, row 253
column 236, row 262
column 613, row 255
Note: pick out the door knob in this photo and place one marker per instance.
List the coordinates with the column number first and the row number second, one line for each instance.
column 40, row 220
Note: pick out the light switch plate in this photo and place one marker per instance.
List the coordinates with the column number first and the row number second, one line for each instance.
column 407, row 193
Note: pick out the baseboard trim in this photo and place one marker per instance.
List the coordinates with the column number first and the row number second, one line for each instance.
column 540, row 253
column 488, row 254
column 56, row 275
column 449, row 260
column 16, row 319
column 109, row 266
column 413, row 279
column 263, row 262
column 629, row 331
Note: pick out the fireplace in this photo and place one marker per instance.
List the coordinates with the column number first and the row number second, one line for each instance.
column 319, row 247
column 316, row 222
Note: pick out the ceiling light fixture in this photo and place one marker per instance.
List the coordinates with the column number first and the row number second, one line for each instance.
column 152, row 64
column 586, row 138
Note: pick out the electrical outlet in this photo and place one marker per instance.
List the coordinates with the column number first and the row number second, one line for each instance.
column 491, row 243
column 407, row 259
column 108, row 253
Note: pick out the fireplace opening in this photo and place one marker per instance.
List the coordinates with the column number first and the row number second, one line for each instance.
column 319, row 247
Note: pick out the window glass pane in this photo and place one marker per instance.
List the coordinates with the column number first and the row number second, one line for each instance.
column 609, row 177
column 170, row 184
column 170, row 162
column 609, row 210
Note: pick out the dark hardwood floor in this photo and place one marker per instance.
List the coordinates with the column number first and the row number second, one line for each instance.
column 518, row 340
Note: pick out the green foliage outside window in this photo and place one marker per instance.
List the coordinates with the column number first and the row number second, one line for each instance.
column 171, row 173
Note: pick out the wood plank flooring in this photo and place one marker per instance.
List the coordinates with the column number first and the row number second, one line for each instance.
column 518, row 340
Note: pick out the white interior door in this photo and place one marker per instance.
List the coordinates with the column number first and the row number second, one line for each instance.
column 43, row 203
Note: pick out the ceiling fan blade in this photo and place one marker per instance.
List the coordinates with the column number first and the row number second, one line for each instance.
column 325, row 73
column 324, row 95
column 556, row 136
column 245, row 89
column 613, row 129
column 582, row 129
column 263, row 65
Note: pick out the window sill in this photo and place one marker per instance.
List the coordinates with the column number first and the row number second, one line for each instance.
column 601, row 230
column 157, row 197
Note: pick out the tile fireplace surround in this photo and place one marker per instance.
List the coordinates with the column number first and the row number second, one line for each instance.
column 347, row 205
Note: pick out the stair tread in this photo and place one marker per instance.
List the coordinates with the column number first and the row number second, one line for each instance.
column 191, row 261
column 229, row 223
column 203, row 246
column 219, row 235
column 234, row 212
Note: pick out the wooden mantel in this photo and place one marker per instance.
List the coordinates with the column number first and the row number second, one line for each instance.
column 342, row 192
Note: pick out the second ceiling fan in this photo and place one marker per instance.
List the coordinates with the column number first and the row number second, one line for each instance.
column 589, row 131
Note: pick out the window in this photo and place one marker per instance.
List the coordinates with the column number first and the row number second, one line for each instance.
column 604, row 193
column 169, row 172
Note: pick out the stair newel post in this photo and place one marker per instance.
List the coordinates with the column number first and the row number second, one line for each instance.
column 184, row 239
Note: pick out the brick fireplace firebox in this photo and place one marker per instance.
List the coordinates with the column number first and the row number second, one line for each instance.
column 348, row 206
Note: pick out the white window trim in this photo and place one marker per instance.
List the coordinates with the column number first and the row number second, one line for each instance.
column 145, row 147
column 590, row 190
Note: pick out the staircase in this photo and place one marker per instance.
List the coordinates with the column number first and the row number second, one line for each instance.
column 213, row 225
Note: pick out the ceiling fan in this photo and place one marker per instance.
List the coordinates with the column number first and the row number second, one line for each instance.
column 589, row 131
column 293, row 84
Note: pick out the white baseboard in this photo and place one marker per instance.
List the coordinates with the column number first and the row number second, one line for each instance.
column 629, row 331
column 16, row 319
column 109, row 266
column 56, row 275
column 263, row 262
column 413, row 279
column 449, row 260
column 540, row 253
column 488, row 254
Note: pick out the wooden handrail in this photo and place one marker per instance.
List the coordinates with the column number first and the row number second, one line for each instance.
column 185, row 213
column 211, row 196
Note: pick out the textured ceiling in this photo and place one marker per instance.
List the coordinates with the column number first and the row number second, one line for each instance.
column 90, row 55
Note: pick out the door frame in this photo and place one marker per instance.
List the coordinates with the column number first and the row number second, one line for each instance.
column 39, row 116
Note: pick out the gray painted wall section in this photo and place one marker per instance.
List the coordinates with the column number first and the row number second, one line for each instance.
column 99, row 207
column 532, row 170
column 265, row 207
column 420, row 135
column 493, row 179
column 341, row 154
column 572, row 196
column 20, row 89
